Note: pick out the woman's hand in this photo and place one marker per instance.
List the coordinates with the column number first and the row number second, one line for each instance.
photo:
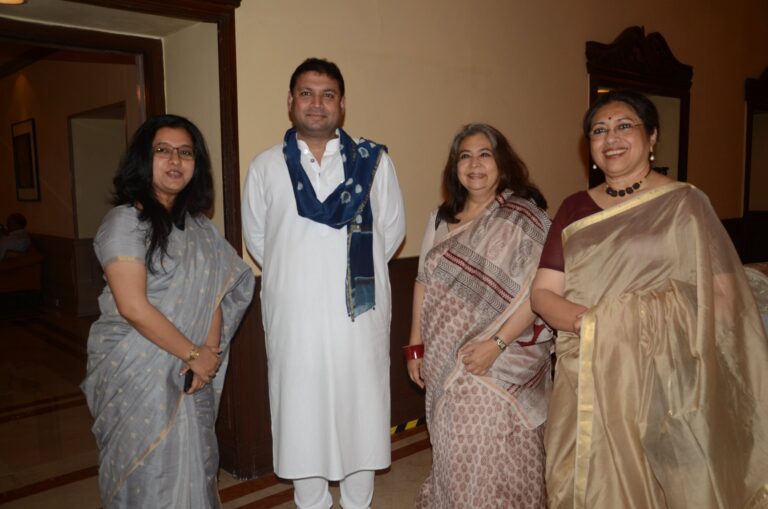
column 479, row 357
column 414, row 371
column 207, row 363
column 548, row 302
column 577, row 323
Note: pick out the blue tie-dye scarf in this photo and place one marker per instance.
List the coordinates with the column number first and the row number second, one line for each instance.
column 348, row 205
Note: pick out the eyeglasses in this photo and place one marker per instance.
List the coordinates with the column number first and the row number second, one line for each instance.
column 165, row 151
column 623, row 129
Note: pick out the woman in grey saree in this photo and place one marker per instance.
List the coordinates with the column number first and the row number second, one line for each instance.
column 486, row 360
column 163, row 311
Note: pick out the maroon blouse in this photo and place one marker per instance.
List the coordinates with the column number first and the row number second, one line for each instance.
column 575, row 207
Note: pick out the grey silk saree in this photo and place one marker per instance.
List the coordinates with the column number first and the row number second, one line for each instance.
column 157, row 446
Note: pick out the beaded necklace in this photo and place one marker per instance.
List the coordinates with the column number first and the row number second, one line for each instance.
column 613, row 193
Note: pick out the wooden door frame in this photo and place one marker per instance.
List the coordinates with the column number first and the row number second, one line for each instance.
column 222, row 13
column 243, row 427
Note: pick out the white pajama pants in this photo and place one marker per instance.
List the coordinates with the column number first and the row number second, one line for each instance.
column 356, row 491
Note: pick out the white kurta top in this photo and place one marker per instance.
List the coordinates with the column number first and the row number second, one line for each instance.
column 328, row 376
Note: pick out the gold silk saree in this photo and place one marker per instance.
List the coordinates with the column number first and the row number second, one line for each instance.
column 661, row 400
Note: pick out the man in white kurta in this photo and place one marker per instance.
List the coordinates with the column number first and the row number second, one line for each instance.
column 328, row 375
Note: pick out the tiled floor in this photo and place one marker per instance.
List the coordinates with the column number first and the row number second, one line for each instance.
column 48, row 456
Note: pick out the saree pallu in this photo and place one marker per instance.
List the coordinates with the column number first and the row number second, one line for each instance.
column 660, row 403
column 485, row 430
column 157, row 446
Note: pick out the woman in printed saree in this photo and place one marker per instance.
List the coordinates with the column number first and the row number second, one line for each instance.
column 176, row 291
column 662, row 360
column 486, row 363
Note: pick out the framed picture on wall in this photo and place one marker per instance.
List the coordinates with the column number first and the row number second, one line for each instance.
column 25, row 160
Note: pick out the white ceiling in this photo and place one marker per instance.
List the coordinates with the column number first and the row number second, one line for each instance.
column 60, row 12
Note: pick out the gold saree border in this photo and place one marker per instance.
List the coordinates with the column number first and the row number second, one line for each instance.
column 172, row 421
column 585, row 410
column 586, row 382
column 622, row 207
column 140, row 458
column 132, row 259
column 760, row 499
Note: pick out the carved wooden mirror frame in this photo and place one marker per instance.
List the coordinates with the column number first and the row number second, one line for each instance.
column 646, row 64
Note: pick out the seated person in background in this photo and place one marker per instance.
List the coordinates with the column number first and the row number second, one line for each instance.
column 16, row 238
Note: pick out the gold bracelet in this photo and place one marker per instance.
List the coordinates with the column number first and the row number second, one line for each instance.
column 193, row 354
column 500, row 343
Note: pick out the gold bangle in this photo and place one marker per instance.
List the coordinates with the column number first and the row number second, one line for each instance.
column 193, row 354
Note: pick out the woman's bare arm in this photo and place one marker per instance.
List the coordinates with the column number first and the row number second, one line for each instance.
column 414, row 365
column 548, row 302
column 128, row 282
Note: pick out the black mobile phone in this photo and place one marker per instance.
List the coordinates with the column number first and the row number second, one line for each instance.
column 188, row 379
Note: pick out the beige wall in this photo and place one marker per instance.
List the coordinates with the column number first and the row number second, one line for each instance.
column 192, row 90
column 97, row 143
column 417, row 70
column 667, row 150
column 49, row 92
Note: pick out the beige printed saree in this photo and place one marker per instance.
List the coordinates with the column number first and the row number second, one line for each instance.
column 486, row 431
column 661, row 402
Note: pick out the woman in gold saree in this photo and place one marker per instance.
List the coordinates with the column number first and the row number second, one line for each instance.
column 176, row 291
column 486, row 362
column 662, row 360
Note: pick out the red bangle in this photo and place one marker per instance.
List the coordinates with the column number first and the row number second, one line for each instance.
column 413, row 352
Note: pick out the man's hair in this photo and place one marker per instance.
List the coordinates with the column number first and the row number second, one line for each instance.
column 320, row 66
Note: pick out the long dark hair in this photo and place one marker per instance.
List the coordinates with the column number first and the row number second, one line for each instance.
column 133, row 183
column 513, row 174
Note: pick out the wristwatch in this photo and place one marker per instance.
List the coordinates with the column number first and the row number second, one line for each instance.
column 500, row 343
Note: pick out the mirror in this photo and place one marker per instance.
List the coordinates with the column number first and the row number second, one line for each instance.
column 645, row 64
column 756, row 160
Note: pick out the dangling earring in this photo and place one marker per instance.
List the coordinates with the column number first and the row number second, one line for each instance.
column 653, row 158
column 594, row 166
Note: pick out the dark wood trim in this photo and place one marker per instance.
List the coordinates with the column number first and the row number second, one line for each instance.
column 756, row 96
column 221, row 12
column 244, row 425
column 148, row 52
column 646, row 64
column 230, row 144
column 636, row 58
column 407, row 398
column 23, row 60
column 209, row 11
